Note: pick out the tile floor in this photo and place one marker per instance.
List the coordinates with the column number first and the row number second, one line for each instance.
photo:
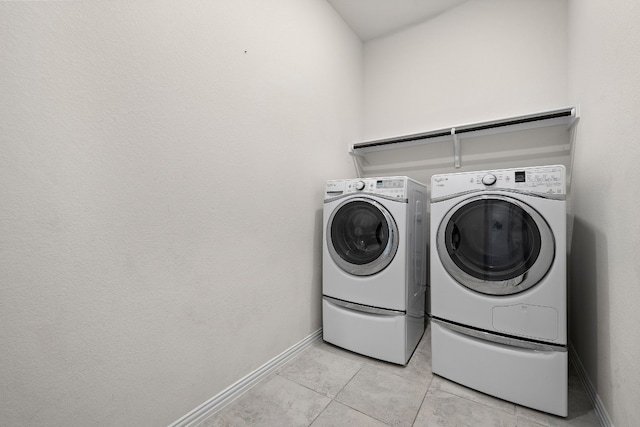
column 329, row 386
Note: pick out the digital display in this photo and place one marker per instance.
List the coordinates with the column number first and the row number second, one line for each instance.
column 388, row 183
column 520, row 176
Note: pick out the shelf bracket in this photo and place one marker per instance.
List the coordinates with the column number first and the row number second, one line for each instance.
column 357, row 159
column 456, row 148
column 574, row 118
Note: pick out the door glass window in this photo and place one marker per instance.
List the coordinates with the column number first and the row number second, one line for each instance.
column 492, row 240
column 359, row 232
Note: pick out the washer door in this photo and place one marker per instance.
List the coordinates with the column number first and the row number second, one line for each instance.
column 362, row 236
column 495, row 245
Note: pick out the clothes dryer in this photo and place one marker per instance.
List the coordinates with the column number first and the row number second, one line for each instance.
column 374, row 266
column 498, row 283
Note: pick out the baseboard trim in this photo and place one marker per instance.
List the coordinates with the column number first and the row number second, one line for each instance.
column 234, row 391
column 598, row 406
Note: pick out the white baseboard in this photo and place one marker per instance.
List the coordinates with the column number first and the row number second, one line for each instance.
column 234, row 391
column 600, row 410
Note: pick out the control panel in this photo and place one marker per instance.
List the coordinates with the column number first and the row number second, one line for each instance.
column 542, row 180
column 391, row 187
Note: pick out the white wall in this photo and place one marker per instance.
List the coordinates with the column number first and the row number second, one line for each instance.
column 604, row 65
column 161, row 177
column 482, row 60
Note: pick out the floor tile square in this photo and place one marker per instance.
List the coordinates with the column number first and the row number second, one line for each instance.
column 442, row 409
column 276, row 401
column 385, row 396
column 321, row 370
column 337, row 415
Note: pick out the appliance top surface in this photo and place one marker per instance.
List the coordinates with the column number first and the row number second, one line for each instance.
column 544, row 180
column 394, row 187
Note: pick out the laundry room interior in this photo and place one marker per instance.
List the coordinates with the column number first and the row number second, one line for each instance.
column 163, row 169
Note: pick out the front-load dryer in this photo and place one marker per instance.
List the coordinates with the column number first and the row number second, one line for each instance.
column 498, row 283
column 374, row 266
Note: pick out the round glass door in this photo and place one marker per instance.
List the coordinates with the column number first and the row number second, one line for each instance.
column 362, row 237
column 495, row 245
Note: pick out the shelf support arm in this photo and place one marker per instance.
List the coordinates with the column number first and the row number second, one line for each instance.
column 456, row 148
column 357, row 158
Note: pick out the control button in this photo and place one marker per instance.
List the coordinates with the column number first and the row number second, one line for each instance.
column 489, row 179
column 360, row 185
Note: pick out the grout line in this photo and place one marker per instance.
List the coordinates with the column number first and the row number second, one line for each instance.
column 424, row 399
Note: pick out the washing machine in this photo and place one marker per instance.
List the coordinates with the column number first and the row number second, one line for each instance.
column 498, row 283
column 374, row 266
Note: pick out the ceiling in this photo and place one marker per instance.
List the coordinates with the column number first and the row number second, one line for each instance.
column 375, row 18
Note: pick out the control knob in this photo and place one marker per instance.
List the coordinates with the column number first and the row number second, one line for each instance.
column 360, row 185
column 489, row 179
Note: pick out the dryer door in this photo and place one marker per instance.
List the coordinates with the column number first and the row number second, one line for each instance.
column 495, row 245
column 362, row 236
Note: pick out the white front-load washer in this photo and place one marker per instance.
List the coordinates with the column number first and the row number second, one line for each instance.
column 374, row 266
column 498, row 283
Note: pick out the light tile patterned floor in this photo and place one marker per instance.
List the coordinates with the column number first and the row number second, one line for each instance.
column 329, row 386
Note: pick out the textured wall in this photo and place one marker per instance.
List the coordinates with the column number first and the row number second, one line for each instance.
column 482, row 60
column 161, row 175
column 604, row 64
